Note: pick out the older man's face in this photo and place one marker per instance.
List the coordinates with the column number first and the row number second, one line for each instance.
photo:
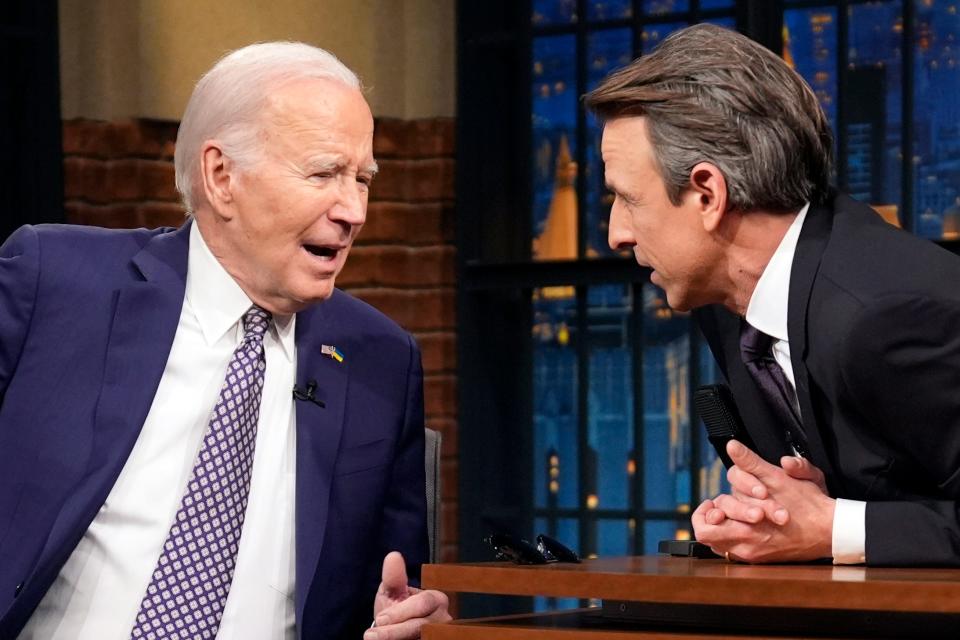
column 668, row 238
column 299, row 208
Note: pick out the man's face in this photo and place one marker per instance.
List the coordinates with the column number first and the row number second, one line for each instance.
column 297, row 210
column 668, row 238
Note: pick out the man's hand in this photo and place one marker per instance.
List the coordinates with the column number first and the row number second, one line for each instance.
column 399, row 610
column 773, row 515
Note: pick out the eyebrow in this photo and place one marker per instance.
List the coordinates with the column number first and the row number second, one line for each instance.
column 337, row 162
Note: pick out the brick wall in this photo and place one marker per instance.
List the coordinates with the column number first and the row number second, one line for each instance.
column 120, row 174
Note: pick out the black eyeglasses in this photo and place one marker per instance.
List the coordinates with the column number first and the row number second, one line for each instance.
column 519, row 551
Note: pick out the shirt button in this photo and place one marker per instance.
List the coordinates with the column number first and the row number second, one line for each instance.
column 17, row 590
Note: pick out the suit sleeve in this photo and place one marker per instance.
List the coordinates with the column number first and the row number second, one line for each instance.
column 902, row 371
column 404, row 524
column 19, row 275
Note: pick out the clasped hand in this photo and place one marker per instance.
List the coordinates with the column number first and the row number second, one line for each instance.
column 772, row 514
column 399, row 610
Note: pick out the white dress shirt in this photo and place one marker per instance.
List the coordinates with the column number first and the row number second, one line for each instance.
column 98, row 592
column 767, row 311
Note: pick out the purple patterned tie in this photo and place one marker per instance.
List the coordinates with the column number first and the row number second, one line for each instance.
column 186, row 596
column 755, row 350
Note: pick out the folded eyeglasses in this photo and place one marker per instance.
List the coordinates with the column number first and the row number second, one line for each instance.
column 520, row 551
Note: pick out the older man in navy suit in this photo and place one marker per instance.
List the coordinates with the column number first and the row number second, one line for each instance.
column 190, row 445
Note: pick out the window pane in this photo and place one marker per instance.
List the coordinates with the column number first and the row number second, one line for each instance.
column 712, row 474
column 614, row 538
column 547, row 12
column 554, row 148
column 661, row 7
column 666, row 417
column 656, row 530
column 606, row 50
column 727, row 22
column 936, row 115
column 810, row 46
column 706, row 5
column 610, row 430
column 653, row 34
column 609, row 9
column 555, row 397
column 874, row 99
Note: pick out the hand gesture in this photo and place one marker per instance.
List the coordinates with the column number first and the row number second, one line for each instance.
column 399, row 610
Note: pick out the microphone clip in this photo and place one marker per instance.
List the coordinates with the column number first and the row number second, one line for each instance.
column 308, row 395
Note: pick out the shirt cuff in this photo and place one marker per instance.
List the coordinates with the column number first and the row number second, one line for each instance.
column 850, row 532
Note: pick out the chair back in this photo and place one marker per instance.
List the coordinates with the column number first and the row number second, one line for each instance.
column 432, row 462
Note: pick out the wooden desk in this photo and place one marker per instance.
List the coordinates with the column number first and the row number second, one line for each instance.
column 696, row 596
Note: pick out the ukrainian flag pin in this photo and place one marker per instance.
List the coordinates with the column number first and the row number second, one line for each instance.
column 331, row 352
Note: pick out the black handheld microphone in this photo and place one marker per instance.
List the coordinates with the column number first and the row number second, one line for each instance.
column 717, row 409
column 301, row 394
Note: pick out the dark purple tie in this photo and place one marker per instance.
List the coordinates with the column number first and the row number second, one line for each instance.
column 191, row 581
column 755, row 349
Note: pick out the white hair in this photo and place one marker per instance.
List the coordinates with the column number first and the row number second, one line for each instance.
column 228, row 99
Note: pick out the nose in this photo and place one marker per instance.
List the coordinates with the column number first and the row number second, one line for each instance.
column 619, row 233
column 350, row 207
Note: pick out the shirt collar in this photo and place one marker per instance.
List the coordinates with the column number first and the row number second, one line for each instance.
column 217, row 300
column 767, row 310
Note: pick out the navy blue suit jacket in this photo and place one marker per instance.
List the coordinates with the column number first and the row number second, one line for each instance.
column 87, row 319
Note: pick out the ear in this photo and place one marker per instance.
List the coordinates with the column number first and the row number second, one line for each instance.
column 217, row 177
column 709, row 189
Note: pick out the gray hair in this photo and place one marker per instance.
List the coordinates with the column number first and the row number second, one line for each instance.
column 709, row 94
column 228, row 99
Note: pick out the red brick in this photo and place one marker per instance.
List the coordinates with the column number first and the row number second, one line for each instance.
column 120, row 139
column 76, row 212
column 450, row 553
column 414, row 310
column 123, row 180
column 85, row 138
column 93, row 180
column 157, row 138
column 398, row 266
column 427, row 266
column 114, row 216
column 410, row 224
column 157, row 181
column 414, row 180
column 449, row 479
column 449, row 525
column 448, row 430
column 360, row 270
column 439, row 351
column 425, row 138
column 73, row 177
column 123, row 138
column 440, row 395
column 161, row 214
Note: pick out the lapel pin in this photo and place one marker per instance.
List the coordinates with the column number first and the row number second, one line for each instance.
column 331, row 352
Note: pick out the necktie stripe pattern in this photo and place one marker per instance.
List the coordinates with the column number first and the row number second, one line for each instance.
column 192, row 577
column 755, row 350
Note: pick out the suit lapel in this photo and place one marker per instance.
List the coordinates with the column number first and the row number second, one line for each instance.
column 759, row 420
column 318, row 440
column 806, row 263
column 145, row 317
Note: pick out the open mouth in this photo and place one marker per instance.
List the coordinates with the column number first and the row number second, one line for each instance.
column 323, row 252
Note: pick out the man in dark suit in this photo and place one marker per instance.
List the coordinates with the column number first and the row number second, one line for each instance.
column 157, row 477
column 838, row 333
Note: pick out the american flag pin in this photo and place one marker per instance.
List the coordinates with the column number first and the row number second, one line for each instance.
column 331, row 352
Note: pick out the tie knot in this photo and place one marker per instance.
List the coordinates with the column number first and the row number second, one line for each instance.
column 255, row 324
column 754, row 344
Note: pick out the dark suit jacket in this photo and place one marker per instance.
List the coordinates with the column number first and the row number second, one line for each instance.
column 874, row 330
column 87, row 319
